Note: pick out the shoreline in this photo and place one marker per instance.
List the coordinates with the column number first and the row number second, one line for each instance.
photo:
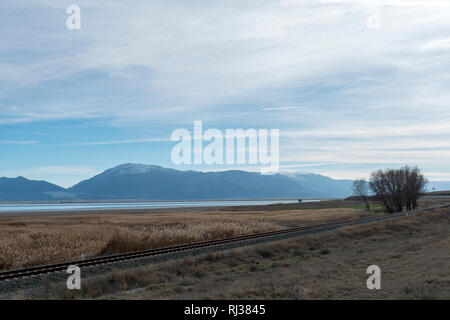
column 105, row 201
column 249, row 207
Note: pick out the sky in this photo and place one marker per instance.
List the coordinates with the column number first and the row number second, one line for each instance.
column 348, row 95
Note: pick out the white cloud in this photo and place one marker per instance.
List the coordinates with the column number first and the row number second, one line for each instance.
column 437, row 44
column 201, row 59
column 372, row 132
column 112, row 142
column 345, row 92
column 18, row 142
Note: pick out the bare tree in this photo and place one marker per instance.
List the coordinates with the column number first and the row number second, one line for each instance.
column 380, row 186
column 397, row 187
column 408, row 193
column 360, row 188
column 415, row 184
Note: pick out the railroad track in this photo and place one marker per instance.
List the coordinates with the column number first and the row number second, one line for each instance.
column 40, row 270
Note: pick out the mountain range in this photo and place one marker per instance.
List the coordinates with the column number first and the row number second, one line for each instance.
column 20, row 188
column 151, row 182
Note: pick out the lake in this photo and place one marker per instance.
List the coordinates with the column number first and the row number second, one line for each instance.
column 136, row 205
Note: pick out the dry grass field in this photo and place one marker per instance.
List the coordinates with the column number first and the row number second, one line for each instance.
column 29, row 241
column 413, row 254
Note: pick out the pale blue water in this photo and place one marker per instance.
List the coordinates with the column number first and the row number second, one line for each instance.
column 135, row 205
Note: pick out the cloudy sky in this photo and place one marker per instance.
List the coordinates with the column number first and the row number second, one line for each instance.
column 348, row 92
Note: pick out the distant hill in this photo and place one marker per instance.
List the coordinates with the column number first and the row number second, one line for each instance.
column 438, row 185
column 139, row 181
column 323, row 186
column 150, row 182
column 20, row 188
column 444, row 193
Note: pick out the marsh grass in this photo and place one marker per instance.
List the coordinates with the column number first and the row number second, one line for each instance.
column 289, row 270
column 39, row 244
column 30, row 241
